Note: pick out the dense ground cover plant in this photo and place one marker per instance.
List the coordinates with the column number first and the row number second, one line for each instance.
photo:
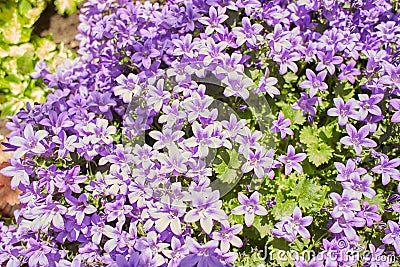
column 121, row 171
column 20, row 51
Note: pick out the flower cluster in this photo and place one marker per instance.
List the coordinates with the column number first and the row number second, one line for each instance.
column 129, row 161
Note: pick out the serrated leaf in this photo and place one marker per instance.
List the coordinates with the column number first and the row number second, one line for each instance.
column 295, row 116
column 283, row 209
column 310, row 195
column 319, row 153
column 229, row 169
column 309, row 135
column 260, row 223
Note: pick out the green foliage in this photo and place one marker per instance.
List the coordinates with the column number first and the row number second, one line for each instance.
column 20, row 51
column 229, row 168
column 318, row 151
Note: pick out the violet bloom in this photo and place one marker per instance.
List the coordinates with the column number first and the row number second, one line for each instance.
column 177, row 253
column 118, row 210
column 395, row 103
column 227, row 236
column 203, row 139
column 376, row 257
column 233, row 126
column 30, row 142
column 306, row 104
column 348, row 72
column 368, row 105
column 247, row 33
column 67, row 143
column 206, row 210
column 342, row 225
column 314, row 82
column 357, row 139
column 18, row 172
column 328, row 61
column 346, row 172
column 358, row 186
column 345, row 205
column 287, row 60
column 388, row 169
column 257, row 161
column 214, row 20
column 70, row 180
column 48, row 213
column 314, row 262
column 79, row 207
column 57, row 122
column 368, row 213
column 281, row 125
column 291, row 160
column 201, row 255
column 169, row 215
column 343, row 111
column 267, row 85
column 144, row 53
column 393, row 236
column 128, row 87
column 249, row 208
column 237, row 85
column 289, row 227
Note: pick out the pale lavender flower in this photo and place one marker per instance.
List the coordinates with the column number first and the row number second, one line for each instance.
column 281, row 125
column 343, row 111
column 393, row 236
column 357, row 139
column 289, row 227
column 249, row 208
column 314, row 82
column 227, row 236
column 291, row 160
column 30, row 142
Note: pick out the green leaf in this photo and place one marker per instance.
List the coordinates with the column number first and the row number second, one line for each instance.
column 295, row 116
column 260, row 223
column 229, row 169
column 310, row 195
column 66, row 6
column 309, row 135
column 283, row 209
column 319, row 153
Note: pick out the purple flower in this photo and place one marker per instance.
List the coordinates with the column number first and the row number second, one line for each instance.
column 291, row 160
column 144, row 53
column 348, row 72
column 178, row 252
column 393, row 236
column 344, row 205
column 395, row 103
column 30, row 142
column 346, row 172
column 227, row 236
column 247, row 33
column 328, row 61
column 249, row 208
column 289, row 227
column 281, row 125
column 358, row 186
column 201, row 255
column 128, row 87
column 267, row 85
column 206, row 209
column 306, row 104
column 357, row 139
column 214, row 21
column 368, row 212
column 368, row 105
column 237, row 85
column 18, row 172
column 314, row 82
column 257, row 161
column 342, row 225
column 388, row 169
column 79, row 207
column 343, row 111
